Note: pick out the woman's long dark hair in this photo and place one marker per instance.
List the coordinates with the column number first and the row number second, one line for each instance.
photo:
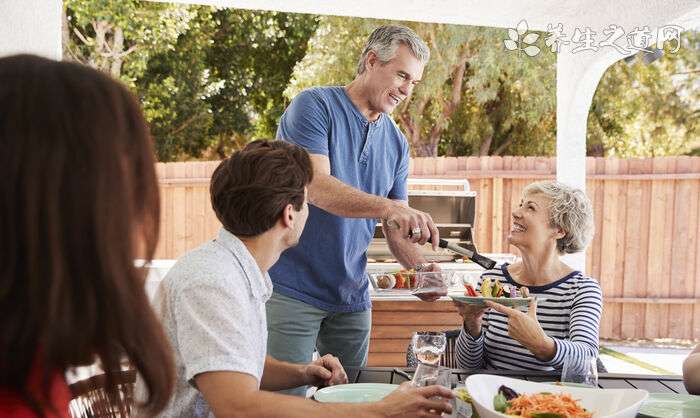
column 78, row 204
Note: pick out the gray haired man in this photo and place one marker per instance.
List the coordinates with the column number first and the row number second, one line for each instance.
column 360, row 162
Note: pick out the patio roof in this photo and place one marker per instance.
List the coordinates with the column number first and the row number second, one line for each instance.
column 504, row 13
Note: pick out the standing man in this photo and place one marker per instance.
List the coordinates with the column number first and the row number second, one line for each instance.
column 360, row 163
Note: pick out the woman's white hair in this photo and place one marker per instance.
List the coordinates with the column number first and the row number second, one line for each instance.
column 569, row 210
column 385, row 40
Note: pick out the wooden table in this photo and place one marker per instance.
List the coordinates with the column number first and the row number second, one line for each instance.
column 651, row 383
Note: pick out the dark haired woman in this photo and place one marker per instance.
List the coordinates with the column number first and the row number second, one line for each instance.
column 78, row 203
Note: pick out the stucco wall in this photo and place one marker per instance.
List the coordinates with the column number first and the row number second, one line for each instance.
column 30, row 26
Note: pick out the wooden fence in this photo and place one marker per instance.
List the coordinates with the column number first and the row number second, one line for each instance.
column 646, row 251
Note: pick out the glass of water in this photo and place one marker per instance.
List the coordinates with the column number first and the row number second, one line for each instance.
column 580, row 370
column 428, row 346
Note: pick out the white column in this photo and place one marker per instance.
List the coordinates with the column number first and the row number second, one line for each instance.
column 31, row 26
column 577, row 79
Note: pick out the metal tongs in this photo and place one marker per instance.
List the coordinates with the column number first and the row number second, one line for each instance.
column 479, row 259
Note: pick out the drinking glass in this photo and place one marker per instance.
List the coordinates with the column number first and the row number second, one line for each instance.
column 429, row 374
column 580, row 370
column 428, row 346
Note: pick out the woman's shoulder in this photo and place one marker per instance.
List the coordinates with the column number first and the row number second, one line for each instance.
column 581, row 279
column 585, row 286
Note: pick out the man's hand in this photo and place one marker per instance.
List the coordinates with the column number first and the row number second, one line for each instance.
column 526, row 329
column 414, row 225
column 410, row 401
column 325, row 371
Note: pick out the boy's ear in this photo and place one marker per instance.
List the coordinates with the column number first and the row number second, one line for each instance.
column 288, row 216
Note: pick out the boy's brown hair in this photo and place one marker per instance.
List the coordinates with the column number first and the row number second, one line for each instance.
column 250, row 189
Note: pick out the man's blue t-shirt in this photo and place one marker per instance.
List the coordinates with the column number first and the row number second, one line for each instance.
column 327, row 269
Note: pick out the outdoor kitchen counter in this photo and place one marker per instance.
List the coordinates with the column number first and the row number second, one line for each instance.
column 395, row 320
column 395, row 317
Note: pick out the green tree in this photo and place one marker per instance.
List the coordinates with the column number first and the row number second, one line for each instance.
column 645, row 109
column 252, row 54
column 475, row 97
column 173, row 90
column 119, row 37
column 208, row 78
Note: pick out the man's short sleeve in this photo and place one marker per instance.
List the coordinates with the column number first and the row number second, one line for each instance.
column 306, row 123
column 399, row 190
column 212, row 330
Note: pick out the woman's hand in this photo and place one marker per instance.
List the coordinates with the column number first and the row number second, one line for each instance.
column 472, row 316
column 526, row 329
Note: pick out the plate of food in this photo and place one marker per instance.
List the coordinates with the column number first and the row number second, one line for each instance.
column 355, row 392
column 411, row 281
column 507, row 295
column 501, row 397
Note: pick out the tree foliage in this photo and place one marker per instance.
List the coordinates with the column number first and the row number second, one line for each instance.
column 109, row 35
column 252, row 55
column 208, row 79
column 211, row 80
column 643, row 109
column 475, row 97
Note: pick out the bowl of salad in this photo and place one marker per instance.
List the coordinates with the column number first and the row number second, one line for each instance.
column 504, row 397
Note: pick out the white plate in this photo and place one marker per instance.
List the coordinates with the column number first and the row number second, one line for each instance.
column 479, row 300
column 608, row 403
column 355, row 392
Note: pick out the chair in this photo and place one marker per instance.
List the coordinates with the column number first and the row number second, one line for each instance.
column 90, row 400
column 448, row 358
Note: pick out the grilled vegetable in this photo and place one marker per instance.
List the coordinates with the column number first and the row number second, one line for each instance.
column 412, row 280
column 469, row 290
column 508, row 392
column 497, row 289
column 486, row 288
column 400, row 281
column 506, row 290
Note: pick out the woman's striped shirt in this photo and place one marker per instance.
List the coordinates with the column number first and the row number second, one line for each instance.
column 570, row 315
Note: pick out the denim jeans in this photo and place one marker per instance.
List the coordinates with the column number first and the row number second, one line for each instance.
column 295, row 328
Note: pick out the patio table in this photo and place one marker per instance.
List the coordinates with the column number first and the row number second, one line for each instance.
column 651, row 383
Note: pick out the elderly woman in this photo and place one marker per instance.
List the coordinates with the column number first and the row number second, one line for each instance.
column 552, row 219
